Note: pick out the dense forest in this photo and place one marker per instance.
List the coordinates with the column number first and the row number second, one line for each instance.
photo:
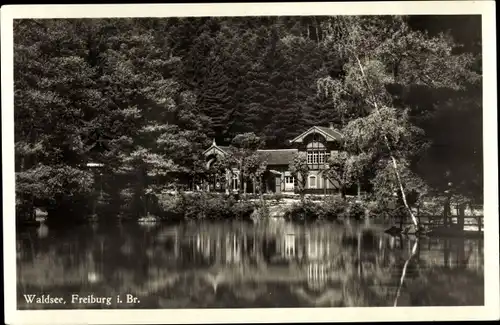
column 147, row 96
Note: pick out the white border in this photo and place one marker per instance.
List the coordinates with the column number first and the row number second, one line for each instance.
column 491, row 267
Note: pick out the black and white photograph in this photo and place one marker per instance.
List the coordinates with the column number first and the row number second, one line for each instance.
column 198, row 160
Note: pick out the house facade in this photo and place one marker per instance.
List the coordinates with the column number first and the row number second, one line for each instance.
column 318, row 143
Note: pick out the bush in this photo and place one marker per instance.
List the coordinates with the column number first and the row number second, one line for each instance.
column 356, row 211
column 332, row 208
column 203, row 206
column 63, row 190
column 243, row 210
column 24, row 211
column 305, row 211
column 335, row 208
column 433, row 207
column 171, row 206
column 261, row 212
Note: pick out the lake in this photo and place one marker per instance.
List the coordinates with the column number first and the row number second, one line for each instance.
column 236, row 264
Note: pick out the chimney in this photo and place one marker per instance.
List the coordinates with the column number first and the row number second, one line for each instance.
column 331, row 126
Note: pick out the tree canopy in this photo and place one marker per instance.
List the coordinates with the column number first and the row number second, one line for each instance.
column 147, row 94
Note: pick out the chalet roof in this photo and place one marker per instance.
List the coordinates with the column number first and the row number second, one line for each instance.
column 224, row 148
column 329, row 133
column 332, row 132
column 215, row 148
column 272, row 156
column 278, row 156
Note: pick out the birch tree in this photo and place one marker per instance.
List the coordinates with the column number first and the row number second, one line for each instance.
column 300, row 170
column 378, row 53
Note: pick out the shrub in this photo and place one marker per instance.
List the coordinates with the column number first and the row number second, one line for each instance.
column 332, row 208
column 305, row 211
column 243, row 210
column 203, row 206
column 433, row 207
column 383, row 211
column 171, row 206
column 63, row 190
column 261, row 212
column 356, row 211
column 335, row 208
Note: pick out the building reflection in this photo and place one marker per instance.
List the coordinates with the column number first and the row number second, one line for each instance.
column 313, row 258
column 316, row 264
column 310, row 257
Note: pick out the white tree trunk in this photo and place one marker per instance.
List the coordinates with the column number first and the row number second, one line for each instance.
column 403, row 273
column 393, row 159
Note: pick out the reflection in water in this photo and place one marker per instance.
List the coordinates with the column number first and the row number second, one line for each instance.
column 403, row 273
column 242, row 265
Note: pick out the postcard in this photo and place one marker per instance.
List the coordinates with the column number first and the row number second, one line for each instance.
column 252, row 162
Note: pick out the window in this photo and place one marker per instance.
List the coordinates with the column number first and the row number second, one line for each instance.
column 289, row 180
column 235, row 182
column 312, row 181
column 321, row 157
column 317, row 156
column 309, row 157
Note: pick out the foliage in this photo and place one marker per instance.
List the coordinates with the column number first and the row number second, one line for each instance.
column 243, row 155
column 300, row 169
column 304, row 211
column 346, row 169
column 385, row 60
column 385, row 185
column 336, row 206
column 332, row 208
column 144, row 95
column 203, row 206
column 356, row 211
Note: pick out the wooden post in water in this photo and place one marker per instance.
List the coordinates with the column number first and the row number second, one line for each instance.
column 461, row 217
column 446, row 253
column 176, row 244
column 359, row 252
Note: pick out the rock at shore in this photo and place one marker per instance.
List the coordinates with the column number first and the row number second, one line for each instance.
column 273, row 212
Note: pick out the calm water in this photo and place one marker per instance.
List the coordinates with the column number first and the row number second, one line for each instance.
column 242, row 265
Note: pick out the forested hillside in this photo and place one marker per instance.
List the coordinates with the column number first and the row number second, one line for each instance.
column 153, row 93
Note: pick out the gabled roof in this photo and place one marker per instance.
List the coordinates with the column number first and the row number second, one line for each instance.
column 272, row 156
column 329, row 133
column 278, row 156
column 214, row 149
column 332, row 132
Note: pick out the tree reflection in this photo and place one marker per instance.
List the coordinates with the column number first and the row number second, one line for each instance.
column 237, row 264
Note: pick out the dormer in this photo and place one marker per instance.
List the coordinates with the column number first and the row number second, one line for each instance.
column 319, row 143
column 327, row 134
column 215, row 151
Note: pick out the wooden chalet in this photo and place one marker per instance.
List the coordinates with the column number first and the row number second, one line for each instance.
column 318, row 142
